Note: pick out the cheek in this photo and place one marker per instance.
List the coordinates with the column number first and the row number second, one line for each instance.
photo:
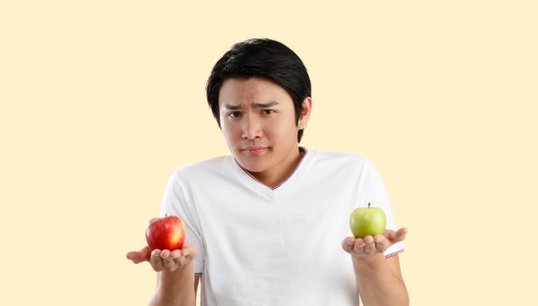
column 282, row 130
column 230, row 134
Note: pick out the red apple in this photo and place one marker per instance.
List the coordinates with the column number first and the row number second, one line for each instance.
column 166, row 233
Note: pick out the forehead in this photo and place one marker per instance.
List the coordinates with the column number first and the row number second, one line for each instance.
column 253, row 89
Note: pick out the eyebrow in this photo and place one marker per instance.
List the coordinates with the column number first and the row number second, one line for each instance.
column 255, row 104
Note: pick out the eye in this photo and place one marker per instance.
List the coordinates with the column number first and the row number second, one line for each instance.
column 234, row 114
column 268, row 112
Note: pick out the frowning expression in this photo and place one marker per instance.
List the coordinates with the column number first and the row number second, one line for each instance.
column 258, row 121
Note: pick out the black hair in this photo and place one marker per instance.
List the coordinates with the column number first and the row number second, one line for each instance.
column 264, row 58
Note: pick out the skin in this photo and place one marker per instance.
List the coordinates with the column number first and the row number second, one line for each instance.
column 174, row 270
column 379, row 280
column 258, row 123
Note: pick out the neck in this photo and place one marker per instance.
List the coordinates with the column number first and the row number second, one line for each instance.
column 274, row 178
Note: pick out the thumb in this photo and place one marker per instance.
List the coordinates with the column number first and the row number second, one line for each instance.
column 399, row 235
column 140, row 256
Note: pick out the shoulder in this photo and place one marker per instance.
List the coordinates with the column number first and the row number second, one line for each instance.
column 345, row 160
column 205, row 169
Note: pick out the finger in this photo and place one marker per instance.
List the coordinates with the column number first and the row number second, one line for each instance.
column 379, row 238
column 381, row 243
column 140, row 256
column 184, row 255
column 189, row 251
column 358, row 245
column 156, row 261
column 176, row 257
column 168, row 260
column 175, row 254
column 396, row 236
column 347, row 244
column 389, row 234
column 135, row 257
column 401, row 233
column 165, row 253
column 370, row 245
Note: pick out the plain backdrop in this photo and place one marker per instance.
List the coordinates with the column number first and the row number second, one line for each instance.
column 102, row 100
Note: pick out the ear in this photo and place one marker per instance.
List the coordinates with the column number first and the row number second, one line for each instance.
column 305, row 113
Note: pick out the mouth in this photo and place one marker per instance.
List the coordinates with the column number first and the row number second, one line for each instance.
column 255, row 150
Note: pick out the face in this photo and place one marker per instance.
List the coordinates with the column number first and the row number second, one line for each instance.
column 257, row 119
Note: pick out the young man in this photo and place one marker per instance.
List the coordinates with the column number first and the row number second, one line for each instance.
column 269, row 225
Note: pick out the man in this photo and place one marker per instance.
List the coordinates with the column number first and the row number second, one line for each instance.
column 267, row 225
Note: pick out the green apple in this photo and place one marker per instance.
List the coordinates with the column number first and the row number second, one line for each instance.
column 367, row 221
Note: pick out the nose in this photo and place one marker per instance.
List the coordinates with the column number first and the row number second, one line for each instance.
column 251, row 128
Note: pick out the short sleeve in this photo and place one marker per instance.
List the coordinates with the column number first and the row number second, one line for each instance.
column 176, row 202
column 372, row 190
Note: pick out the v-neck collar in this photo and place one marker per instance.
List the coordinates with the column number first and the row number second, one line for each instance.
column 273, row 192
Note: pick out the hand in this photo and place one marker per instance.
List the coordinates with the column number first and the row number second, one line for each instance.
column 143, row 254
column 164, row 259
column 369, row 246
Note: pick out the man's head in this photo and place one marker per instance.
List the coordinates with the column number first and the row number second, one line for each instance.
column 262, row 58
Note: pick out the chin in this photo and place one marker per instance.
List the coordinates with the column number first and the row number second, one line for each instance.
column 251, row 166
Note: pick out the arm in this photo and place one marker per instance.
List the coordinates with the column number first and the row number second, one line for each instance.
column 380, row 282
column 173, row 288
column 379, row 279
column 176, row 282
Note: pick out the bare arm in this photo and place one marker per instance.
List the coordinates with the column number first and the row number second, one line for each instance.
column 176, row 282
column 379, row 279
column 173, row 288
column 379, row 282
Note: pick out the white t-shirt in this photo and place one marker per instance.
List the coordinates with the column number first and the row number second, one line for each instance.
column 262, row 246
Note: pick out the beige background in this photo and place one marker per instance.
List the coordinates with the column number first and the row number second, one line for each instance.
column 102, row 100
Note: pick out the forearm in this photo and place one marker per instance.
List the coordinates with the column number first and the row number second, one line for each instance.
column 175, row 288
column 378, row 285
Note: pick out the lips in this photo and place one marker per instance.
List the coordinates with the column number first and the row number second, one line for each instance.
column 254, row 150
